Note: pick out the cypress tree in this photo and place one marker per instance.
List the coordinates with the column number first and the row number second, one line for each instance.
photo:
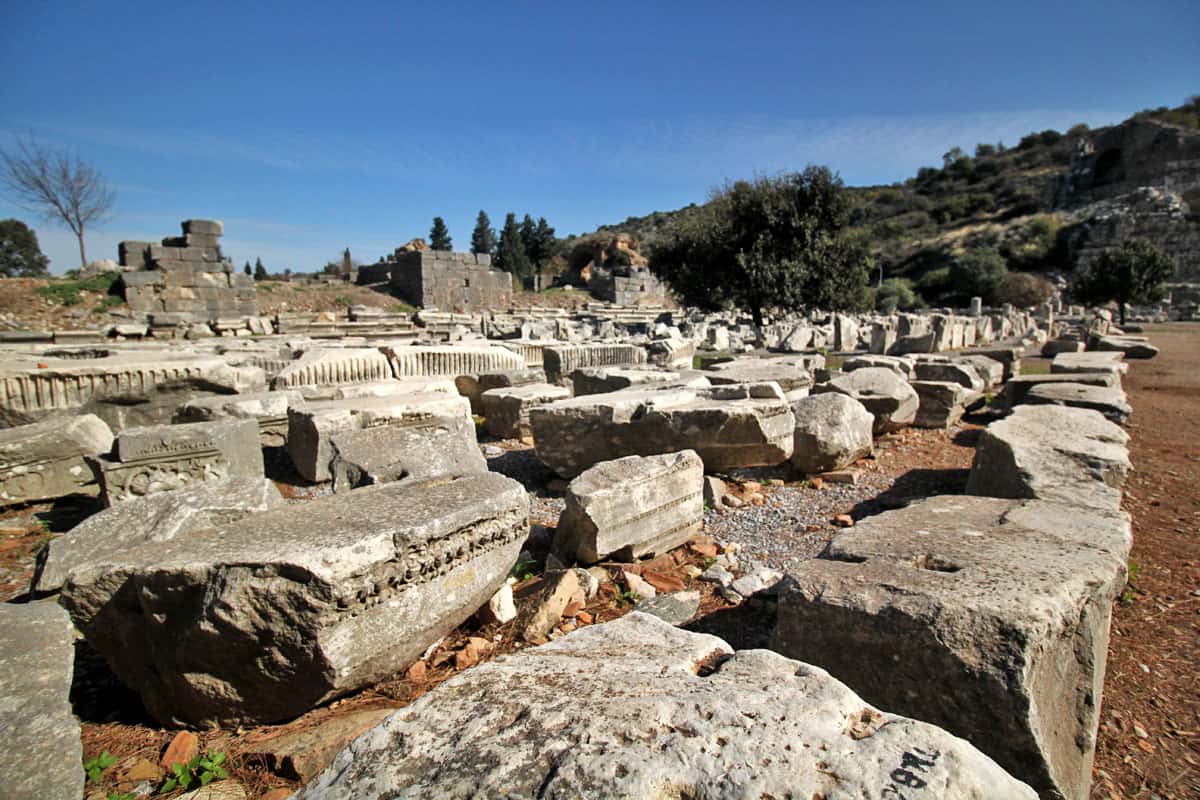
column 439, row 235
column 483, row 238
column 510, row 254
column 246, row 269
column 260, row 272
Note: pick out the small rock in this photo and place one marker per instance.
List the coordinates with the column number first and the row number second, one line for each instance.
column 277, row 794
column 732, row 501
column 601, row 575
column 417, row 672
column 846, row 476
column 220, row 790
column 638, row 586
column 182, row 749
column 718, row 575
column 775, row 482
column 584, row 618
column 759, row 580
column 729, row 595
column 757, row 499
column 1141, row 732
column 501, row 607
column 675, row 608
column 590, row 581
column 559, row 591
column 691, row 570
column 706, row 549
column 662, row 582
column 143, row 770
column 816, row 483
column 491, row 450
column 844, row 521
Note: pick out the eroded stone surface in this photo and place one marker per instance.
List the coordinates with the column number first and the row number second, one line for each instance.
column 507, row 409
column 412, row 452
column 988, row 617
column 48, row 459
column 153, row 518
column 42, row 755
column 636, row 708
column 264, row 618
column 1108, row 400
column 832, row 431
column 1070, row 455
column 889, row 398
column 632, row 507
column 739, row 425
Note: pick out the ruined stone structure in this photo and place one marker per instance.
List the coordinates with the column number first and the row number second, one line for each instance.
column 186, row 279
column 443, row 280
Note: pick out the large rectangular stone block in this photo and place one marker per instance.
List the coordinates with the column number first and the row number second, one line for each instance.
column 561, row 360
column 632, row 507
column 984, row 616
column 741, row 425
column 332, row 366
column 507, row 409
column 451, row 361
column 406, row 452
column 49, row 459
column 265, row 618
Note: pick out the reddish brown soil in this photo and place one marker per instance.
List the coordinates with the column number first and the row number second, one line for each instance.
column 1153, row 681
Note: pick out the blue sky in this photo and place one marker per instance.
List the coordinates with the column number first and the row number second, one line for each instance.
column 309, row 127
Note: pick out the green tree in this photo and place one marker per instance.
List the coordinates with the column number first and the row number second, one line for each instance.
column 247, row 269
column 483, row 238
column 1023, row 289
column 1132, row 273
column 978, row 273
column 528, row 232
column 896, row 294
column 540, row 244
column 439, row 235
column 510, row 253
column 20, row 254
column 769, row 242
column 260, row 272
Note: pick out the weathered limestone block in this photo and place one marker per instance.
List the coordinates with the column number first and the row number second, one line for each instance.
column 943, row 403
column 832, row 432
column 473, row 386
column 507, row 410
column 268, row 409
column 311, row 427
column 48, row 459
column 406, row 452
column 42, row 755
column 451, row 360
column 563, row 359
column 950, row 371
column 598, row 380
column 901, row 365
column 332, row 366
column 632, row 507
column 889, row 398
column 123, row 389
column 152, row 518
column 1009, row 357
column 671, row 353
column 791, row 374
column 740, row 425
column 262, row 619
column 1018, row 386
column 637, row 708
column 1064, row 344
column 1130, row 346
column 1108, row 400
column 989, row 370
column 987, row 617
column 1108, row 362
column 1068, row 455
column 160, row 458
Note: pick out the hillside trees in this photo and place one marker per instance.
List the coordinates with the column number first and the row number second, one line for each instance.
column 483, row 238
column 768, row 242
column 1132, row 273
column 20, row 254
column 439, row 235
column 58, row 185
column 260, row 272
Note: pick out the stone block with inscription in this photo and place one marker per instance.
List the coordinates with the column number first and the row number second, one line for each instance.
column 632, row 507
column 638, row 708
column 159, row 458
column 985, row 616
column 262, row 619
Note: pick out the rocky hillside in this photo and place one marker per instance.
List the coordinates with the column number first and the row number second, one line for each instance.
column 1044, row 204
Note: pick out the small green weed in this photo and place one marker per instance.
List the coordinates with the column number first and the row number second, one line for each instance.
column 121, row 796
column 94, row 767
column 402, row 308
column 524, row 569
column 627, row 598
column 1135, row 572
column 343, row 301
column 201, row 770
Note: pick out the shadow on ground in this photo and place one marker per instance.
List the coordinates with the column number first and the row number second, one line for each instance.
column 916, row 484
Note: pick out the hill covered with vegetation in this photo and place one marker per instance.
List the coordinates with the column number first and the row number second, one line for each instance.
column 994, row 221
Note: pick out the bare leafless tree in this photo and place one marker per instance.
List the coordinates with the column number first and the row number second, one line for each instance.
column 57, row 184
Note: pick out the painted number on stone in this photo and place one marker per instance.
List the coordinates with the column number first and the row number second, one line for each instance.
column 906, row 775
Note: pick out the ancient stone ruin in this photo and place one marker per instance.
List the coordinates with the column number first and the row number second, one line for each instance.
column 442, row 280
column 279, row 522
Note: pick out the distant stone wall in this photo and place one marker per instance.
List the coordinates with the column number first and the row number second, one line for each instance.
column 186, row 277
column 630, row 286
column 447, row 281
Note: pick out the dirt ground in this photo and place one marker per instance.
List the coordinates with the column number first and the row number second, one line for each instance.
column 1149, row 741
